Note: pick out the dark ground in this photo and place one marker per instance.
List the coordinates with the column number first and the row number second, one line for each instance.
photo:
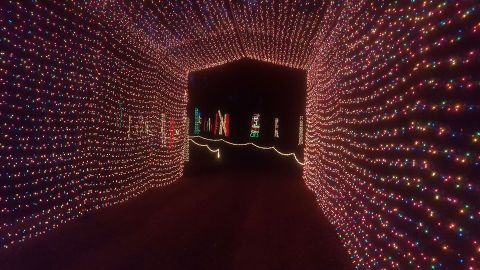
column 242, row 212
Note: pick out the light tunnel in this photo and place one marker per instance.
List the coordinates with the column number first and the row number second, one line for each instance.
column 93, row 98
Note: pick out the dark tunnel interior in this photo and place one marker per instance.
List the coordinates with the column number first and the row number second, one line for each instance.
column 244, row 88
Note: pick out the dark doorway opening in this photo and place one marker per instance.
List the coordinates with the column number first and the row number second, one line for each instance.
column 241, row 89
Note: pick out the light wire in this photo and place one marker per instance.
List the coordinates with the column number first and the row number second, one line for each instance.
column 246, row 144
column 208, row 147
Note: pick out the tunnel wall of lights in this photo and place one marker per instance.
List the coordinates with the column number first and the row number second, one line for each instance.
column 93, row 112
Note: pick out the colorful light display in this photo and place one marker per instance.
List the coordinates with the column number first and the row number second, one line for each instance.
column 222, row 124
column 198, row 122
column 392, row 134
column 255, row 128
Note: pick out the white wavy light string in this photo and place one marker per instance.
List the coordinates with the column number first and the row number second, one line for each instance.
column 208, row 147
column 246, row 144
column 388, row 84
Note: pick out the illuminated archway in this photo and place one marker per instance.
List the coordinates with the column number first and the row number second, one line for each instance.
column 95, row 93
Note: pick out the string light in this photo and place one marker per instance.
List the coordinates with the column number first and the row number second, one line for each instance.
column 222, row 124
column 252, row 144
column 300, row 131
column 186, row 148
column 255, row 128
column 198, row 122
column 93, row 99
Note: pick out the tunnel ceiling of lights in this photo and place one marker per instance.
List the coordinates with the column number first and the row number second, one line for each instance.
column 93, row 101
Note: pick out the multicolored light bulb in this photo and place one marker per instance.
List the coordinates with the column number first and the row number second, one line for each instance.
column 392, row 136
